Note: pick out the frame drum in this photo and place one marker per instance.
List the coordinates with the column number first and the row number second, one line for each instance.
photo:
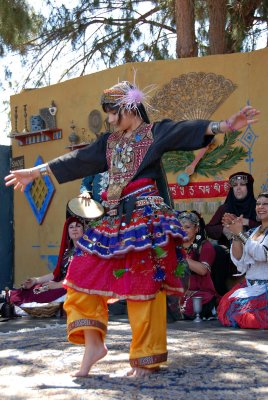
column 87, row 209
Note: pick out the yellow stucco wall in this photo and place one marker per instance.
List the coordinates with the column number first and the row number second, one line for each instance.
column 77, row 97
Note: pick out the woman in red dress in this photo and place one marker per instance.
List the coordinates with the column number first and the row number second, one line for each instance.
column 48, row 288
column 200, row 255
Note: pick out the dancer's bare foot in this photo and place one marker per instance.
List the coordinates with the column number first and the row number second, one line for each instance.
column 95, row 350
column 142, row 372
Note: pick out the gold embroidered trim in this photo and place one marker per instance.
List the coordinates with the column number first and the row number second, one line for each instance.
column 148, row 360
column 109, row 294
column 82, row 323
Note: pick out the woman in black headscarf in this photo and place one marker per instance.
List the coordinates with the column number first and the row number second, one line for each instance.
column 239, row 201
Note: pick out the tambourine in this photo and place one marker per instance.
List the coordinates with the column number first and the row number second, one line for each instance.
column 184, row 178
column 87, row 209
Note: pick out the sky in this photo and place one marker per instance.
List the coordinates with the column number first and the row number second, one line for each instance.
column 19, row 73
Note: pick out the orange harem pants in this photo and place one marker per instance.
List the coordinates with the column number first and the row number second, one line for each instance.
column 148, row 347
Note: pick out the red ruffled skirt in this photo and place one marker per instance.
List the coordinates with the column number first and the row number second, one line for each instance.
column 247, row 312
column 130, row 260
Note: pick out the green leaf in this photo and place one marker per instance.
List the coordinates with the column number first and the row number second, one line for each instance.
column 180, row 269
column 175, row 161
column 119, row 272
column 221, row 158
column 160, row 253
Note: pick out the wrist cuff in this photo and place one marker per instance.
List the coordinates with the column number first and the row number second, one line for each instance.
column 43, row 171
column 242, row 237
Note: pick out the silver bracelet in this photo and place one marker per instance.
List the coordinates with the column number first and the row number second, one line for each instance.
column 41, row 289
column 242, row 237
column 215, row 127
column 43, row 171
column 235, row 237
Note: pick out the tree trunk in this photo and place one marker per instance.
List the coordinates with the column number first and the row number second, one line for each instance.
column 185, row 24
column 217, row 19
column 241, row 21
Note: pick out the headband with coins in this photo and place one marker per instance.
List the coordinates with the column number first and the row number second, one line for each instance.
column 188, row 216
column 234, row 180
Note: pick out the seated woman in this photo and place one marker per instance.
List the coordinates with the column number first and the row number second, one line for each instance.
column 48, row 288
column 246, row 305
column 200, row 255
column 240, row 200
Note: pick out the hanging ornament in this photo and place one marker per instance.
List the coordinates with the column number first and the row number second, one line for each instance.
column 160, row 253
column 118, row 273
column 181, row 268
column 159, row 274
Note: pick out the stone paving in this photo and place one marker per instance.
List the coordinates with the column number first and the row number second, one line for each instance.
column 206, row 361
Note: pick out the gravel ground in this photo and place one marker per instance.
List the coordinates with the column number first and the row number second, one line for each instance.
column 206, row 361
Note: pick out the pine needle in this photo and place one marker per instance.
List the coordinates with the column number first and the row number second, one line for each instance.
column 221, row 158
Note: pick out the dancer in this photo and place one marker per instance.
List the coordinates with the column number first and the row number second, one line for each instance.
column 246, row 305
column 131, row 253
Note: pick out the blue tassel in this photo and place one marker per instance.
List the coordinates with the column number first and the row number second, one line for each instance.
column 159, row 274
column 147, row 211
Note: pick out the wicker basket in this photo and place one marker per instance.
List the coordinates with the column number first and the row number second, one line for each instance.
column 44, row 311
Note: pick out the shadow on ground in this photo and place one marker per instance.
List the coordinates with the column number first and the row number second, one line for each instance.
column 206, row 361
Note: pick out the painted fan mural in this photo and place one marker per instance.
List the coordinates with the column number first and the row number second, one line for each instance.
column 197, row 95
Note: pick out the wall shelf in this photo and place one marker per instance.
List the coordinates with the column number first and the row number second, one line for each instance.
column 45, row 135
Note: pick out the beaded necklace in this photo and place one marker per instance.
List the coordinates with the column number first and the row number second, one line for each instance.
column 263, row 229
column 125, row 154
column 122, row 154
column 191, row 248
